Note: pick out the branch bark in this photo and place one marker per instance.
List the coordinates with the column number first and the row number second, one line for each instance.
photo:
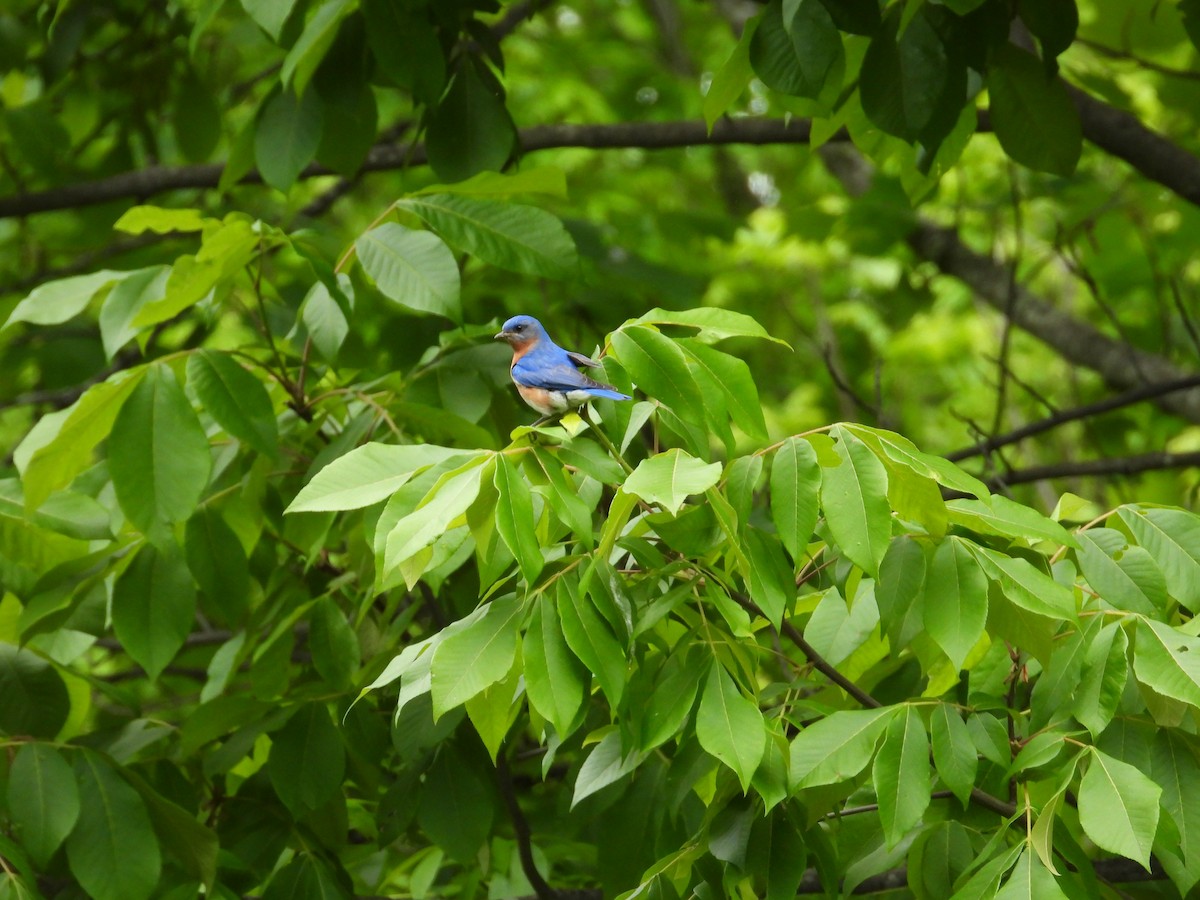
column 152, row 180
column 1123, row 367
column 1121, row 134
column 1121, row 465
column 1137, row 395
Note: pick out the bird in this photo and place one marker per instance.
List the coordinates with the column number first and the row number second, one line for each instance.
column 547, row 376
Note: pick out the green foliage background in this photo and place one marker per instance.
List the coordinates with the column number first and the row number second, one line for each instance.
column 295, row 604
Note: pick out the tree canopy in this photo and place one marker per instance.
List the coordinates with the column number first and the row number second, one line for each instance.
column 884, row 580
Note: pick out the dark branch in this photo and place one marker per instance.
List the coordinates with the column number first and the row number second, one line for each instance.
column 521, row 831
column 1137, row 395
column 153, row 180
column 1076, row 341
column 1121, row 134
column 1123, row 465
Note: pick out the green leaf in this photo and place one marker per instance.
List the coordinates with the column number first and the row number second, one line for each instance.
column 158, row 454
column 479, row 655
column 734, row 383
column 325, row 318
column 1168, row 661
column 218, row 562
column 456, row 808
column 514, row 518
column 60, row 445
column 1190, row 11
column 493, row 710
column 307, row 760
column 58, row 301
column 1032, row 114
column 422, row 65
column 470, row 130
column 1127, row 577
column 549, row 180
column 564, row 498
column 1025, row 585
column 904, row 452
column 730, row 80
column 33, row 697
column 999, row 515
column 125, row 303
column 160, row 220
column 797, row 49
column 368, row 474
column 74, row 515
column 554, row 678
column 154, row 606
column 900, row 591
column 953, row 751
column 227, row 249
column 712, row 323
column 1118, row 807
column 659, row 367
column 1031, row 879
column 836, row 748
column 192, row 843
column 795, row 482
column 836, row 630
column 522, row 239
column 310, row 48
column 413, row 269
column 349, row 118
column 606, row 764
column 43, row 799
column 306, row 877
column 1173, row 538
column 671, row 700
column 855, row 16
column 112, row 850
column 957, row 583
column 269, row 15
column 450, row 497
column 772, row 585
column 591, row 639
column 1105, row 671
column 670, row 478
column 901, row 775
column 234, row 398
column 730, row 726
column 287, row 137
column 854, row 498
column 196, row 119
column 1173, row 766
column 334, row 645
column 1053, row 23
column 904, row 77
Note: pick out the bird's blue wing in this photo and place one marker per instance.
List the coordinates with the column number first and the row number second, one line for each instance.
column 551, row 376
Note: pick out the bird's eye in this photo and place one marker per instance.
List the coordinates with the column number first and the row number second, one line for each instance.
column 518, row 327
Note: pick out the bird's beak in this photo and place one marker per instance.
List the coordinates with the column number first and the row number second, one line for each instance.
column 501, row 336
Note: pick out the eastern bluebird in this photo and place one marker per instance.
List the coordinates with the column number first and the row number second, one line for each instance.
column 546, row 375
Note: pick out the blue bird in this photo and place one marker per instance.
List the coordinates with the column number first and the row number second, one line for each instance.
column 546, row 375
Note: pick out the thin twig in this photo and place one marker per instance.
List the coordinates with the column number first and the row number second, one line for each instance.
column 1128, row 398
column 521, row 831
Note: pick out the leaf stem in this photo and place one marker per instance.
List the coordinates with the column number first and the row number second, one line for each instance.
column 603, row 439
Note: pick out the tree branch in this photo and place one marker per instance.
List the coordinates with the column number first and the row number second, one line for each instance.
column 1122, row 465
column 152, row 180
column 1121, row 134
column 521, row 831
column 1076, row 341
column 1137, row 395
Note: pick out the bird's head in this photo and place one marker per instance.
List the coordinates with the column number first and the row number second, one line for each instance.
column 521, row 330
